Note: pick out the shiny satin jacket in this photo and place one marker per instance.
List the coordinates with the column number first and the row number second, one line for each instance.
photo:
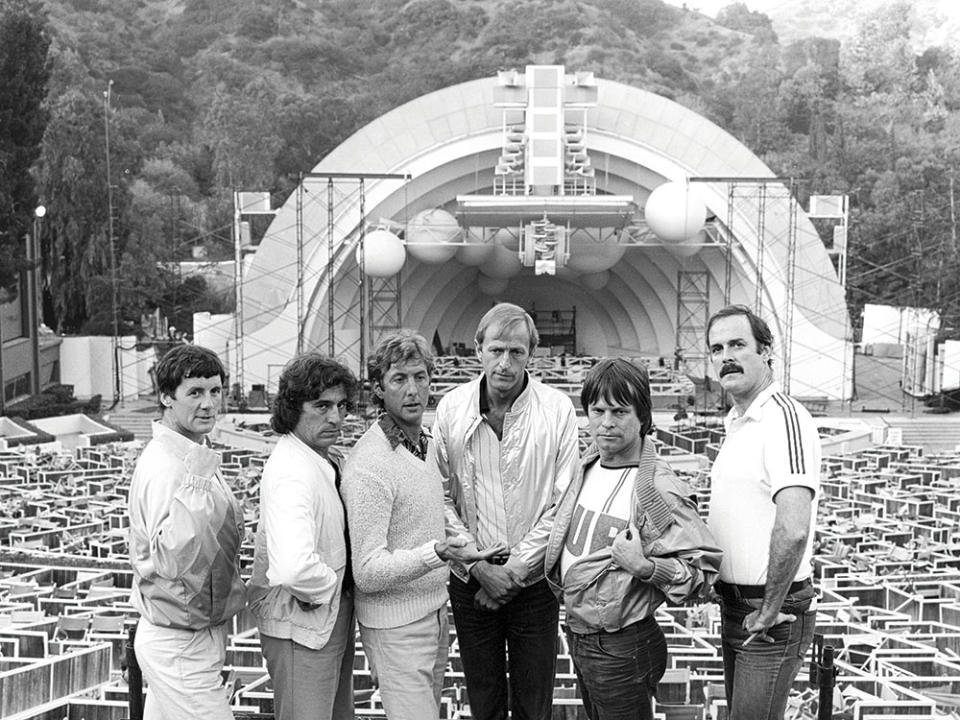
column 685, row 556
column 540, row 456
column 185, row 534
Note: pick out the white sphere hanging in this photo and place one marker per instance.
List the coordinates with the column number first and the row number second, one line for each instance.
column 590, row 256
column 383, row 254
column 432, row 235
column 595, row 281
column 476, row 248
column 508, row 237
column 502, row 263
column 675, row 212
column 491, row 286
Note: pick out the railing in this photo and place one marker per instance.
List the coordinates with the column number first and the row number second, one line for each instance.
column 565, row 373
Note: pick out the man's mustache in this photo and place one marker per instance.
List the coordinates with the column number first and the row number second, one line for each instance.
column 728, row 368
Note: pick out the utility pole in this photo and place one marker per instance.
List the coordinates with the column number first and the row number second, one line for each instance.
column 115, row 344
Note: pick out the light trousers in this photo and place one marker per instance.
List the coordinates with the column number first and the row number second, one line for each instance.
column 182, row 669
column 408, row 663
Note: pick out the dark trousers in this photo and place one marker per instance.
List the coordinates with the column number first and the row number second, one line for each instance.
column 525, row 630
column 618, row 671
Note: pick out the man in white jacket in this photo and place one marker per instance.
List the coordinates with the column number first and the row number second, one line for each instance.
column 301, row 590
column 507, row 448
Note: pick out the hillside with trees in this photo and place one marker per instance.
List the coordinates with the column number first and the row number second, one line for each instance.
column 199, row 97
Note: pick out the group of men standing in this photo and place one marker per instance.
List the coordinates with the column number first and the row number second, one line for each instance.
column 495, row 509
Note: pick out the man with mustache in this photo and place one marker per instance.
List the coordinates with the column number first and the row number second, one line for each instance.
column 764, row 490
column 507, row 445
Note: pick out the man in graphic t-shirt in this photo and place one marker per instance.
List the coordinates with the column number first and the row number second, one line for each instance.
column 626, row 537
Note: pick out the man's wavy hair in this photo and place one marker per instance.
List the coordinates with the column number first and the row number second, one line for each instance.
column 304, row 379
column 400, row 346
column 619, row 381
column 182, row 362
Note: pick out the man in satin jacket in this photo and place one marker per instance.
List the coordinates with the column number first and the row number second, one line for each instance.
column 507, row 446
column 185, row 533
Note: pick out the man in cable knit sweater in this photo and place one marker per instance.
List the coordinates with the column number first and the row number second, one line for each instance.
column 393, row 492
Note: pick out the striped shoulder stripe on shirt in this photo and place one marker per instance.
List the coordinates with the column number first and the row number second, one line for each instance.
column 788, row 407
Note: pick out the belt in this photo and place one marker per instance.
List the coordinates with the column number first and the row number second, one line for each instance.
column 754, row 592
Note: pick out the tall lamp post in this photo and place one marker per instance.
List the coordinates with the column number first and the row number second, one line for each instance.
column 33, row 305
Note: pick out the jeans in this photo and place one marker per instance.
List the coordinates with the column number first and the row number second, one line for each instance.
column 182, row 670
column 525, row 629
column 618, row 671
column 758, row 677
column 314, row 684
column 408, row 663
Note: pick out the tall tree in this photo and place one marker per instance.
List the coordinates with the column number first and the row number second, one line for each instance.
column 24, row 72
column 73, row 176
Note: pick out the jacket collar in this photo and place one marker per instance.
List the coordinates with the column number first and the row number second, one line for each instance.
column 520, row 403
column 305, row 449
column 180, row 444
column 654, row 508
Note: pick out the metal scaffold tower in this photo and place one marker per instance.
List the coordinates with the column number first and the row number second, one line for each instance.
column 749, row 202
column 353, row 299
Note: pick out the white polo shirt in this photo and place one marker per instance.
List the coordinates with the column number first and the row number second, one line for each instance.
column 773, row 445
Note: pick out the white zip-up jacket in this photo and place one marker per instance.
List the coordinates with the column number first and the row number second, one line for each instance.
column 539, row 457
column 300, row 552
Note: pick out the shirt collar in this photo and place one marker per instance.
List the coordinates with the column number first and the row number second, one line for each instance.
column 396, row 436
column 754, row 411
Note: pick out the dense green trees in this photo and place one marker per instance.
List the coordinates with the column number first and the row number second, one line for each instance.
column 211, row 96
column 24, row 72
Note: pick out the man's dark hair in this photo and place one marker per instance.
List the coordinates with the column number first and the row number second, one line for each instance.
column 619, row 381
column 759, row 328
column 304, row 379
column 186, row 361
column 400, row 346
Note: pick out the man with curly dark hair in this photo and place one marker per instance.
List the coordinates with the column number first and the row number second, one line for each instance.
column 301, row 590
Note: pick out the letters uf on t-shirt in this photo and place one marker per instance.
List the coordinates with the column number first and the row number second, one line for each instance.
column 601, row 513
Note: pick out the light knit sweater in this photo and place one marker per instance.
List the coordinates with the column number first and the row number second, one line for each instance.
column 395, row 513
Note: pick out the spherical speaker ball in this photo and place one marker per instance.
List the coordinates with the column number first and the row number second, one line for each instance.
column 595, row 281
column 508, row 237
column 587, row 256
column 476, row 248
column 490, row 285
column 502, row 263
column 431, row 235
column 383, row 254
column 675, row 212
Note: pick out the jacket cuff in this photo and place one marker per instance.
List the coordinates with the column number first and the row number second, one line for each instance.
column 520, row 568
column 663, row 572
column 429, row 556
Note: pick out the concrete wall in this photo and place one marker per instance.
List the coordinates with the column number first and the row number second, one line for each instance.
column 87, row 364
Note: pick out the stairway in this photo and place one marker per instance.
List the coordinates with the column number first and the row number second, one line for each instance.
column 934, row 433
column 135, row 416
